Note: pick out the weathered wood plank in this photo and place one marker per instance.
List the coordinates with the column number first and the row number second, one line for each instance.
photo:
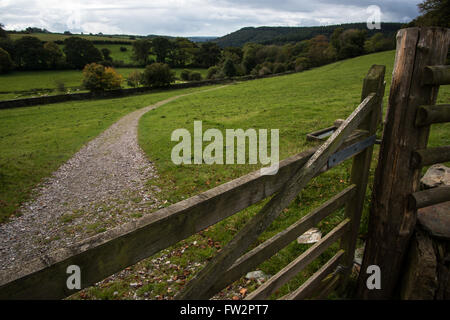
column 203, row 281
column 264, row 251
column 391, row 222
column 313, row 284
column 114, row 250
column 426, row 198
column 373, row 83
column 430, row 156
column 427, row 115
column 293, row 268
column 436, row 75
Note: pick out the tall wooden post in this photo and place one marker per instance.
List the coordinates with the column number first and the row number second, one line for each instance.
column 373, row 83
column 391, row 220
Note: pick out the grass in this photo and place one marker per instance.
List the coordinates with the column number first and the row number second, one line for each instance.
column 35, row 141
column 296, row 104
column 22, row 84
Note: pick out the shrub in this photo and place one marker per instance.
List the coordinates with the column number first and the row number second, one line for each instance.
column 229, row 69
column 279, row 68
column 185, row 75
column 158, row 75
column 212, row 72
column 6, row 63
column 99, row 78
column 134, row 79
column 195, row 76
column 264, row 71
column 123, row 49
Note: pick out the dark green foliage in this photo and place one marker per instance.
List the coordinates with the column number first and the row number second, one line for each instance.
column 3, row 33
column 283, row 35
column 195, row 76
column 158, row 75
column 106, row 54
column 161, row 47
column 212, row 72
column 123, row 49
column 54, row 55
column 29, row 54
column 141, row 50
column 80, row 52
column 185, row 75
column 208, row 55
column 434, row 13
column 6, row 63
column 229, row 69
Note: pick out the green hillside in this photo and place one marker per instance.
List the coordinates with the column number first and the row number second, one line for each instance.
column 281, row 35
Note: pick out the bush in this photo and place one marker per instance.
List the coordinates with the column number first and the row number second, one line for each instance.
column 99, row 78
column 264, row 71
column 229, row 69
column 195, row 76
column 123, row 49
column 134, row 79
column 6, row 63
column 185, row 75
column 212, row 72
column 158, row 75
column 279, row 68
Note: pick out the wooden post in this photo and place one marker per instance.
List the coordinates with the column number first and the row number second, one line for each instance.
column 391, row 220
column 373, row 83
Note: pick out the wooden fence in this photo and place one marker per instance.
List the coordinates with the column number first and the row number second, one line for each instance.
column 418, row 73
column 116, row 249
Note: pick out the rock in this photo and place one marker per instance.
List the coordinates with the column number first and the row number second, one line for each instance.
column 359, row 254
column 257, row 275
column 311, row 236
column 436, row 176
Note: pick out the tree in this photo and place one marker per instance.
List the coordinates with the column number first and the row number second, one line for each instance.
column 208, row 55
column 158, row 75
column 80, row 52
column 141, row 50
column 229, row 69
column 3, row 33
column 434, row 13
column 54, row 54
column 161, row 47
column 6, row 63
column 134, row 79
column 106, row 54
column 98, row 78
column 30, row 54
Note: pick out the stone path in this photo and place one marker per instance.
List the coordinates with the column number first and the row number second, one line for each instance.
column 101, row 186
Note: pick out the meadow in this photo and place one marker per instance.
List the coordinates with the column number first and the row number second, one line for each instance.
column 22, row 84
column 36, row 140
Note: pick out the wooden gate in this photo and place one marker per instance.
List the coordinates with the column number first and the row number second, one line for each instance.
column 418, row 73
column 116, row 249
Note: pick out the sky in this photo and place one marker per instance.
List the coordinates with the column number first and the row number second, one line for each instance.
column 193, row 17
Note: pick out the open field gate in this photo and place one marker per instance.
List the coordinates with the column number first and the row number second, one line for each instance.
column 114, row 250
column 419, row 70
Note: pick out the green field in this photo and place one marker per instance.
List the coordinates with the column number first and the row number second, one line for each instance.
column 22, row 84
column 36, row 140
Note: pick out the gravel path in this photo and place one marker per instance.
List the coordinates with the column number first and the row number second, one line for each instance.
column 102, row 186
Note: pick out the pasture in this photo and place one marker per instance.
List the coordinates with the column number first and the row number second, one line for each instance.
column 36, row 140
column 21, row 84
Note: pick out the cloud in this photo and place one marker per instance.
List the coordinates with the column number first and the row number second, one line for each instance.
column 190, row 18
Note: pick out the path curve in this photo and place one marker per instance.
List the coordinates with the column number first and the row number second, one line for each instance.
column 101, row 186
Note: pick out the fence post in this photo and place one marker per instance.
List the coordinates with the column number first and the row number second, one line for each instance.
column 391, row 221
column 373, row 83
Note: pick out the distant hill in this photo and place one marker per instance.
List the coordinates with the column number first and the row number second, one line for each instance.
column 282, row 35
